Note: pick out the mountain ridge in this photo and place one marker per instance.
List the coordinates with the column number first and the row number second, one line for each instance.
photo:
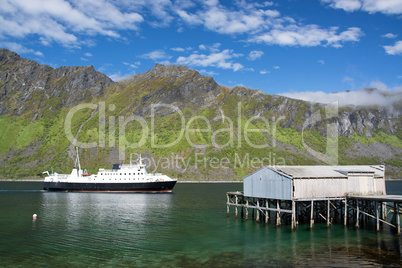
column 24, row 79
column 33, row 116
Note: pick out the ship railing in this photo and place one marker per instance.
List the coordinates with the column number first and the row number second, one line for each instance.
column 61, row 176
column 120, row 170
column 58, row 177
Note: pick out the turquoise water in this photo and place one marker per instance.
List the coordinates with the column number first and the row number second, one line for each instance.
column 187, row 228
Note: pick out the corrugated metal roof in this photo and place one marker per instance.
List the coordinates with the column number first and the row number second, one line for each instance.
column 328, row 171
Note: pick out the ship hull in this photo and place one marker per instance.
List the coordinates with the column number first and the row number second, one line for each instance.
column 165, row 186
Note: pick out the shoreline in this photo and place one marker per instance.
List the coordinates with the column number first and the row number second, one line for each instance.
column 179, row 181
column 42, row 180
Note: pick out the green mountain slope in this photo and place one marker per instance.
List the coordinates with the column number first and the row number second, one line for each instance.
column 184, row 124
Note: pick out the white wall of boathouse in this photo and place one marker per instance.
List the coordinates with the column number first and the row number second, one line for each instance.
column 307, row 182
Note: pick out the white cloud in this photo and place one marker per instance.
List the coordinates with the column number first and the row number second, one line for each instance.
column 383, row 96
column 222, row 60
column 371, row 6
column 19, row 48
column 119, row 76
column 87, row 55
column 321, row 61
column 396, row 49
column 308, row 36
column 161, row 9
column 347, row 98
column 265, row 25
column 208, row 73
column 133, row 65
column 213, row 48
column 255, row 54
column 382, row 86
column 264, row 72
column 390, row 35
column 63, row 22
column 156, row 55
column 181, row 49
column 74, row 23
column 347, row 5
column 276, row 67
column 215, row 17
column 178, row 49
column 191, row 19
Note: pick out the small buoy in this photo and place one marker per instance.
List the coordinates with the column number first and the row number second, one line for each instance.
column 34, row 216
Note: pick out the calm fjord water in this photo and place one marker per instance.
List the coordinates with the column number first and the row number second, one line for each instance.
column 187, row 228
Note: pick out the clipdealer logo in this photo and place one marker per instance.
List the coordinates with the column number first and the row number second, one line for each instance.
column 236, row 136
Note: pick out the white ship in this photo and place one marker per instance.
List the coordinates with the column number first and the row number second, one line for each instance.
column 121, row 178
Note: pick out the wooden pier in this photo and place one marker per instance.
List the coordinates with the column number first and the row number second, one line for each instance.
column 348, row 210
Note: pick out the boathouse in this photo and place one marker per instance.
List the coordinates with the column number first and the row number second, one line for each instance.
column 314, row 193
column 307, row 182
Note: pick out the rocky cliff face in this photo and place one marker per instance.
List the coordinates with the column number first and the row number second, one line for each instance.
column 364, row 121
column 26, row 85
column 175, row 85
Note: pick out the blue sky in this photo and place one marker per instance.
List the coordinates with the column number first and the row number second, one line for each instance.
column 303, row 49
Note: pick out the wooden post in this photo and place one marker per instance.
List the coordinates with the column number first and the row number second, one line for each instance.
column 258, row 211
column 293, row 215
column 398, row 220
column 312, row 214
column 345, row 216
column 357, row 213
column 377, row 215
column 266, row 212
column 328, row 213
column 278, row 213
column 236, row 207
column 227, row 205
column 247, row 209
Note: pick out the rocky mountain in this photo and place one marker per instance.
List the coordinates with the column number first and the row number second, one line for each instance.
column 28, row 86
column 184, row 124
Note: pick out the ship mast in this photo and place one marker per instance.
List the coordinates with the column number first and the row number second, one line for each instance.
column 77, row 161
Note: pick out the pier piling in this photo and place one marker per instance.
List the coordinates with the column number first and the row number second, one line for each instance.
column 355, row 210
